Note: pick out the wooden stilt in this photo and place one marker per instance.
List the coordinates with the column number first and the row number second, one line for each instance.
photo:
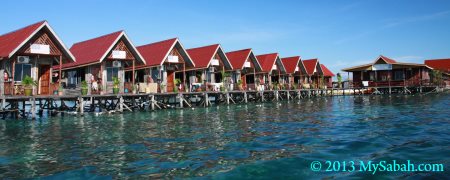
column 33, row 108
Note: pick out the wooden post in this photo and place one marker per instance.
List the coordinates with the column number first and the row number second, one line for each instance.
column 60, row 70
column 81, row 105
column 206, row 99
column 180, row 96
column 245, row 97
column 228, row 97
column 121, row 104
column 153, row 102
column 276, row 95
column 33, row 108
column 132, row 74
column 184, row 77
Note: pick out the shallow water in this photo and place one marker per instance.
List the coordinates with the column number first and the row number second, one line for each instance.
column 270, row 140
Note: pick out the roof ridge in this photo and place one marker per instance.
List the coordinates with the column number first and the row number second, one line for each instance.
column 99, row 37
column 153, row 43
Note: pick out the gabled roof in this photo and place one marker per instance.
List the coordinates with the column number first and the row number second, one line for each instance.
column 95, row 50
column 202, row 56
column 440, row 64
column 386, row 59
column 11, row 42
column 383, row 58
column 290, row 63
column 156, row 53
column 310, row 65
column 268, row 60
column 326, row 71
column 239, row 57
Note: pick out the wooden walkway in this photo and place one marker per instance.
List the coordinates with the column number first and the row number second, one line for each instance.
column 33, row 106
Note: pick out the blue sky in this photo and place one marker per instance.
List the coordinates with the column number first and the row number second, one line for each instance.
column 340, row 33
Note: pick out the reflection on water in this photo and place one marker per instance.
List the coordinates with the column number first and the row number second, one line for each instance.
column 237, row 141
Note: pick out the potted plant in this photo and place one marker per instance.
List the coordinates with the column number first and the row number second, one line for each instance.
column 134, row 88
column 186, row 87
column 84, row 88
column 239, row 83
column 222, row 88
column 275, row 86
column 339, row 78
column 162, row 87
column 60, row 90
column 28, row 84
column 116, row 84
column 177, row 83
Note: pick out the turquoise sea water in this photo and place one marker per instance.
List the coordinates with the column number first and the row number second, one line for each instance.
column 247, row 141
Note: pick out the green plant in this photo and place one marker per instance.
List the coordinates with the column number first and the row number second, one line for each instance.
column 339, row 78
column 177, row 81
column 437, row 77
column 84, row 85
column 275, row 86
column 60, row 88
column 294, row 86
column 116, row 82
column 322, row 81
column 222, row 88
column 28, row 82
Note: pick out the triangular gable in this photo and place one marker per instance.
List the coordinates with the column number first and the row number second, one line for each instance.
column 312, row 66
column 291, row 63
column 41, row 32
column 98, row 49
column 239, row 57
column 385, row 59
column 326, row 71
column 156, row 53
column 268, row 60
column 202, row 56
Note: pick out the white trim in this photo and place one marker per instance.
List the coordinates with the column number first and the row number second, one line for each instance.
column 260, row 67
column 110, row 47
column 187, row 54
column 134, row 48
column 215, row 52
column 248, row 56
column 45, row 24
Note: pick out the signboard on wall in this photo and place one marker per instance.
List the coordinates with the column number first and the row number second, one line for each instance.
column 40, row 49
column 247, row 64
column 379, row 67
column 116, row 54
column 172, row 59
column 214, row 62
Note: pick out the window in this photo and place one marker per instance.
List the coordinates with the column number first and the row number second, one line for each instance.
column 398, row 75
column 21, row 70
column 111, row 72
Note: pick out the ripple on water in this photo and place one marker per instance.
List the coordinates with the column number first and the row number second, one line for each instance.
column 271, row 140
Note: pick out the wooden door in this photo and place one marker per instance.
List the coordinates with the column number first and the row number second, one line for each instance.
column 44, row 77
column 244, row 80
column 170, row 79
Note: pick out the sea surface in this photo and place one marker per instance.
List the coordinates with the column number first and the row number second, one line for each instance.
column 247, row 141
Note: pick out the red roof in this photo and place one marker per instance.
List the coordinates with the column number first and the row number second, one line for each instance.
column 203, row 55
column 238, row 58
column 155, row 53
column 267, row 61
column 387, row 60
column 92, row 51
column 13, row 41
column 310, row 64
column 326, row 71
column 440, row 64
column 290, row 63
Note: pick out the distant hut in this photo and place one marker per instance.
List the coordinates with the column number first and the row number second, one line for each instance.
column 101, row 59
column 314, row 73
column 273, row 68
column 166, row 62
column 246, row 68
column 295, row 70
column 209, row 62
column 387, row 72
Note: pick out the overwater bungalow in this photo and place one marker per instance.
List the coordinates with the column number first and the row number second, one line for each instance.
column 100, row 60
column 246, row 68
column 314, row 73
column 295, row 70
column 387, row 72
column 31, row 51
column 165, row 68
column 210, row 61
column 327, row 76
column 273, row 70
column 443, row 65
